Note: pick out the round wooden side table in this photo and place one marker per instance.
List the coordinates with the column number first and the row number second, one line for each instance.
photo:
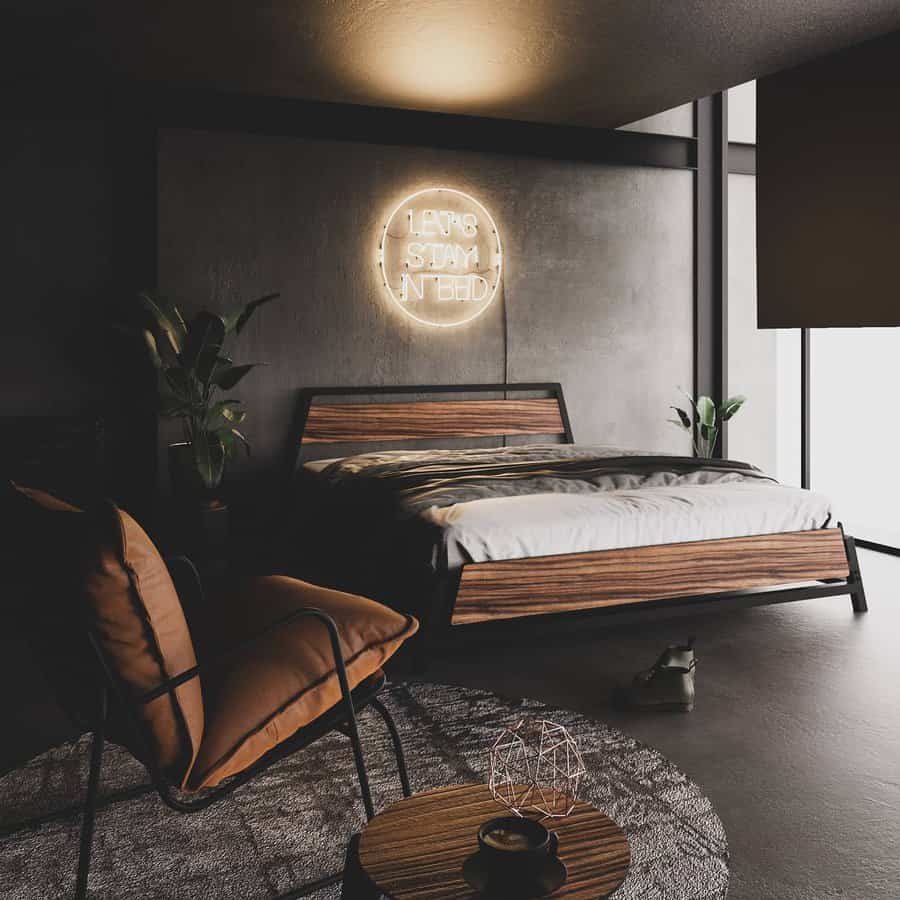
column 416, row 848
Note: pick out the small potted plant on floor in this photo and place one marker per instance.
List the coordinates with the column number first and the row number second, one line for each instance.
column 194, row 377
column 703, row 420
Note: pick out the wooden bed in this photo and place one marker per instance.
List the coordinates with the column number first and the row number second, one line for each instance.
column 752, row 570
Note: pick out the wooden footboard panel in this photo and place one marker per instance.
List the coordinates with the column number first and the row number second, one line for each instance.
column 576, row 581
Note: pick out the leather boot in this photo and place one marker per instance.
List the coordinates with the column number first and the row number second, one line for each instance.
column 667, row 685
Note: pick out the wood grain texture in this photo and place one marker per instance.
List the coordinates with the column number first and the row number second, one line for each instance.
column 416, row 848
column 356, row 422
column 572, row 581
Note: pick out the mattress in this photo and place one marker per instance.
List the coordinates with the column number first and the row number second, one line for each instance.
column 547, row 499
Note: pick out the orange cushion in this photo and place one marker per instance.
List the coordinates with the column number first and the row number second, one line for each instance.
column 140, row 624
column 285, row 679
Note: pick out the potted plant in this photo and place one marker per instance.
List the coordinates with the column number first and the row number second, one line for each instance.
column 194, row 376
column 705, row 419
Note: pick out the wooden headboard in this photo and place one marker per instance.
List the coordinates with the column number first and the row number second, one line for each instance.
column 398, row 420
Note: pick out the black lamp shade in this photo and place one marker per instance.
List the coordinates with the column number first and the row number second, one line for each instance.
column 828, row 190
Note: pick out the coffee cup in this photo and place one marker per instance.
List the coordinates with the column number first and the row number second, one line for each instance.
column 515, row 849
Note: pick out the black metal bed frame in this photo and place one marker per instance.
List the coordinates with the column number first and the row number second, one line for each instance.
column 435, row 615
column 341, row 718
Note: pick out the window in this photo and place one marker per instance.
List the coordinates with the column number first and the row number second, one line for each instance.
column 854, row 427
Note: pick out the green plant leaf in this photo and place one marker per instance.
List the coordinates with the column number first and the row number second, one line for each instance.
column 227, row 439
column 226, row 409
column 688, row 397
column 683, row 416
column 179, row 382
column 228, row 436
column 226, row 378
column 242, row 439
column 204, row 341
column 731, row 406
column 167, row 318
column 706, row 411
column 152, row 349
column 236, row 320
column 707, row 443
column 234, row 416
column 222, row 363
column 209, row 457
column 170, row 407
column 172, row 402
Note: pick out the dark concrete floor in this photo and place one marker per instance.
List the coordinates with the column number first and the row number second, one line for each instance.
column 795, row 735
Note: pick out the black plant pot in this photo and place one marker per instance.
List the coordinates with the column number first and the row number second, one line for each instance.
column 201, row 518
column 187, row 485
column 205, row 535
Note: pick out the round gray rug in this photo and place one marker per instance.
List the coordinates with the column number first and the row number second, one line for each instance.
column 291, row 824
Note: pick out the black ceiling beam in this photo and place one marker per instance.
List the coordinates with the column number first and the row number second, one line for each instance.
column 380, row 125
column 175, row 107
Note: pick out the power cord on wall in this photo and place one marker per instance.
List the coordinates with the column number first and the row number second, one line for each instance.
column 505, row 350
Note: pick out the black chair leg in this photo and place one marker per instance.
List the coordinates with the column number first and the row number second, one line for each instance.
column 382, row 711
column 90, row 804
column 355, row 885
column 361, row 772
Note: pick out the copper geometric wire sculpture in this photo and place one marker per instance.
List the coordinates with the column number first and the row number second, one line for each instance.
column 536, row 766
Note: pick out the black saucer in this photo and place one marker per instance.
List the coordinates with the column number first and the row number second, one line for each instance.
column 552, row 876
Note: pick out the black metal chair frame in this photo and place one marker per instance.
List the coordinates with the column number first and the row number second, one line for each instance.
column 341, row 717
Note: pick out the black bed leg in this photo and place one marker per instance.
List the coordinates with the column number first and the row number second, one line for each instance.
column 421, row 652
column 436, row 616
column 858, row 592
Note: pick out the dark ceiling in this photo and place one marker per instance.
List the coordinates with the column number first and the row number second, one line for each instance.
column 586, row 62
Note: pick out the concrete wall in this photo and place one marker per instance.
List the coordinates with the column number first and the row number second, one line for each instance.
column 597, row 286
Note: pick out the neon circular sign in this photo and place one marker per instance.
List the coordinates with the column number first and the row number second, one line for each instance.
column 440, row 257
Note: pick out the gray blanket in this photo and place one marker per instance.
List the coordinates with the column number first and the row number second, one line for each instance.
column 407, row 483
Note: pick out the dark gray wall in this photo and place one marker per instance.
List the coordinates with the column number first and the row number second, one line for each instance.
column 78, row 234
column 78, row 238
column 598, row 281
column 57, row 187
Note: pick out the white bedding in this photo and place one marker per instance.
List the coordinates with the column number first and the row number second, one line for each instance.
column 546, row 524
column 622, row 509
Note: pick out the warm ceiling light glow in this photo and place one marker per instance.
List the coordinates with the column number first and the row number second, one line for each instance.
column 449, row 55
column 440, row 257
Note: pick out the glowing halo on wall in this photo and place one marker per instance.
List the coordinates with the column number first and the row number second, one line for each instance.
column 440, row 257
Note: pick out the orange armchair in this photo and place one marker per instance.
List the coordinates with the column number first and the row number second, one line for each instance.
column 265, row 667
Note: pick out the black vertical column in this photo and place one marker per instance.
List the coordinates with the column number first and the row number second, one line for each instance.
column 711, row 251
column 804, row 408
column 131, row 402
